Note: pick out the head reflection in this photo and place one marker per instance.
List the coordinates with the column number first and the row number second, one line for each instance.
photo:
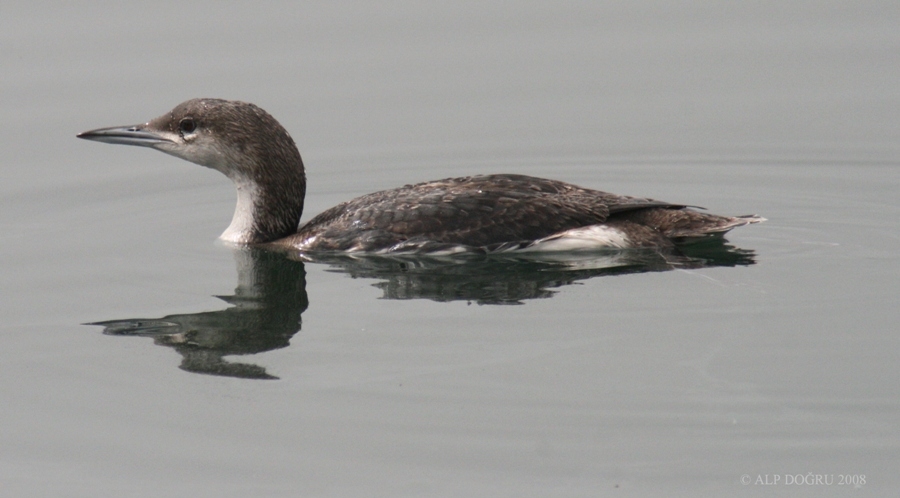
column 264, row 314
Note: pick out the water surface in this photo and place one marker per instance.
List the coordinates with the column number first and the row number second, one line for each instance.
column 479, row 380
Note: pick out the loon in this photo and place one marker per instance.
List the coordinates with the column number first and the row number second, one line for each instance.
column 484, row 213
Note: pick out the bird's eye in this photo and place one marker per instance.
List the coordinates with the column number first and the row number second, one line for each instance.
column 187, row 125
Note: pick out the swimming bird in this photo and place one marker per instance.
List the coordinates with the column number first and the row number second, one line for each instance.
column 484, row 213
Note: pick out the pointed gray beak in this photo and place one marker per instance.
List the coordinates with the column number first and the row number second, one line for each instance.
column 125, row 135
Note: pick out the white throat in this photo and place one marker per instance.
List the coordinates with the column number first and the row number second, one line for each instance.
column 240, row 230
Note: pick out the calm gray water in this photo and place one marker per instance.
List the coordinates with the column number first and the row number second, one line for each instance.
column 617, row 383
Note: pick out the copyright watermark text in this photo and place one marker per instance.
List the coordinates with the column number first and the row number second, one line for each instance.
column 809, row 479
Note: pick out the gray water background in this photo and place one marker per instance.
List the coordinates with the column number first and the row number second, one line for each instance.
column 674, row 383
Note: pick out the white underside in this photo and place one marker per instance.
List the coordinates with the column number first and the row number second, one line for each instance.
column 590, row 238
column 584, row 239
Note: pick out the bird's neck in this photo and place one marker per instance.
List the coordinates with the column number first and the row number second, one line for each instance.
column 268, row 208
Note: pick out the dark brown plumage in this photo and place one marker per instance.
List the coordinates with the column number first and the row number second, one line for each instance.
column 476, row 211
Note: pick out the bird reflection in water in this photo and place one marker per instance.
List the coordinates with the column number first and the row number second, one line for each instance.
column 263, row 315
column 265, row 310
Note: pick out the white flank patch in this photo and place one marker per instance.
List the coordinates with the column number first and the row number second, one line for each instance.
column 450, row 251
column 581, row 239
